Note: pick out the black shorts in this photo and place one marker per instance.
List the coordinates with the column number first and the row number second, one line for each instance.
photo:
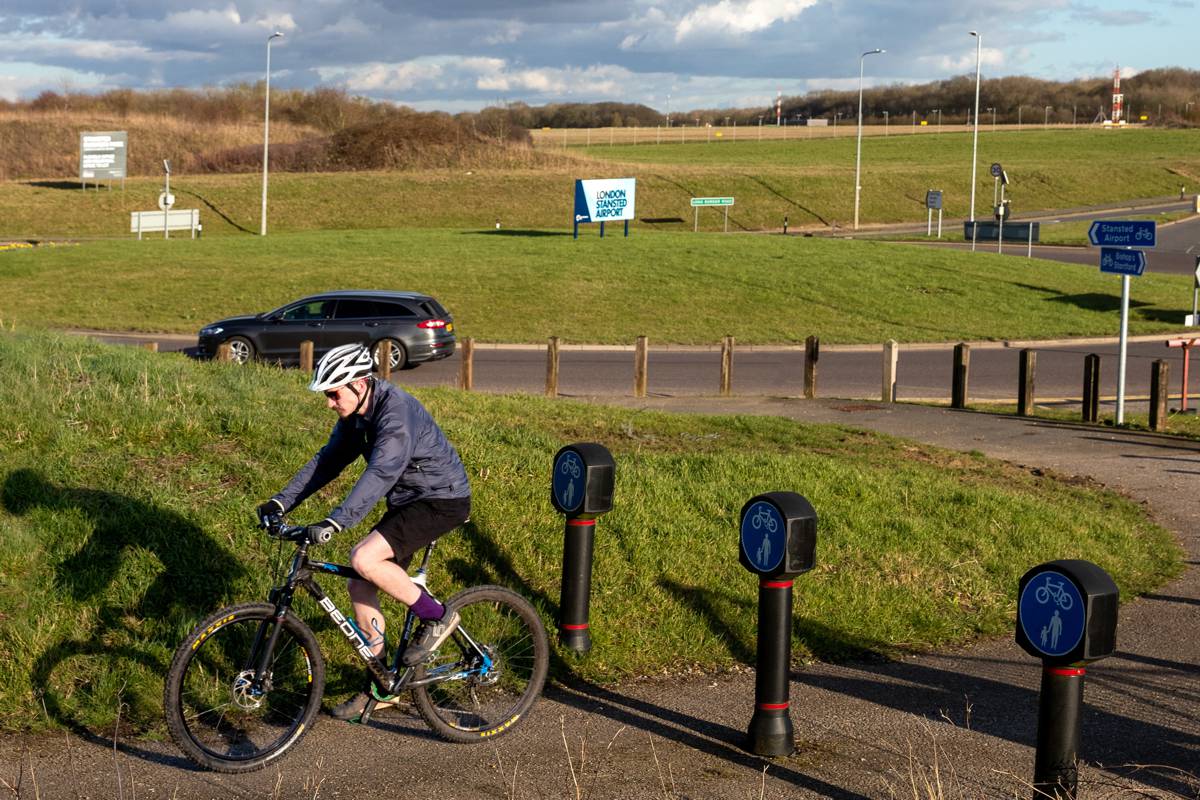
column 410, row 527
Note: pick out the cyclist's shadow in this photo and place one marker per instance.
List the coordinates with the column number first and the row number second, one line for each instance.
column 196, row 576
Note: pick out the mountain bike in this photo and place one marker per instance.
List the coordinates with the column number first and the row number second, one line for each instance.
column 244, row 687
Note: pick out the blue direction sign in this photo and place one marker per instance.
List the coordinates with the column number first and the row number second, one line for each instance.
column 1122, row 262
column 1129, row 233
column 763, row 537
column 1051, row 613
column 568, row 481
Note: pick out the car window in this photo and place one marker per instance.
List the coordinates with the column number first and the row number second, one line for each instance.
column 433, row 308
column 314, row 309
column 356, row 309
column 395, row 310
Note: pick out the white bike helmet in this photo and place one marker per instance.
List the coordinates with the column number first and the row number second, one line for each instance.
column 342, row 365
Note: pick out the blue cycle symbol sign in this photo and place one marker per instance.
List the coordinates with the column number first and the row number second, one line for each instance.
column 1051, row 613
column 763, row 536
column 568, row 480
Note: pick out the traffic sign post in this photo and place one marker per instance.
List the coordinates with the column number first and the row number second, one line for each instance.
column 1193, row 319
column 933, row 200
column 581, row 488
column 1067, row 617
column 777, row 538
column 1110, row 235
column 699, row 202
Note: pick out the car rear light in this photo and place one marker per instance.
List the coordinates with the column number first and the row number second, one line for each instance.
column 432, row 323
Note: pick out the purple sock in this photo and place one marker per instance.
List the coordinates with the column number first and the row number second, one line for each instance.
column 426, row 608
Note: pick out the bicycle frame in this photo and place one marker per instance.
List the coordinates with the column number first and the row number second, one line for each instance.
column 390, row 680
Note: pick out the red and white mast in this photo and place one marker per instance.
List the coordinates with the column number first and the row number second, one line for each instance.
column 1118, row 98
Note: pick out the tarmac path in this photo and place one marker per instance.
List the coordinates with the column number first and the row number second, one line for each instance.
column 962, row 722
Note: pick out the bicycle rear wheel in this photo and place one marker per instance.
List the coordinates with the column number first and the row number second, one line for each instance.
column 213, row 712
column 472, row 697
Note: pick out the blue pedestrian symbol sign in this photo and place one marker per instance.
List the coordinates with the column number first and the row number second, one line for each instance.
column 567, row 484
column 763, row 537
column 1051, row 613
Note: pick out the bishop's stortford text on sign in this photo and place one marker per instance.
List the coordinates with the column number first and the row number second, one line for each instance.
column 102, row 154
column 604, row 200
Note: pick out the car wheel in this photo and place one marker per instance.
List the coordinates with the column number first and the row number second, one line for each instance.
column 241, row 349
column 399, row 354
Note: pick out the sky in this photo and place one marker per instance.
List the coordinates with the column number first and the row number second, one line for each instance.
column 456, row 55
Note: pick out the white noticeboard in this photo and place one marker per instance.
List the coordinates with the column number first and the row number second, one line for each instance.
column 102, row 155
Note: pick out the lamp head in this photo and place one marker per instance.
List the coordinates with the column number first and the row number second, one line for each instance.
column 275, row 35
column 975, row 33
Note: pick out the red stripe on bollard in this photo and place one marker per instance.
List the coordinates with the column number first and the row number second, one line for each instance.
column 582, row 522
column 772, row 706
column 1070, row 672
column 775, row 584
column 573, row 627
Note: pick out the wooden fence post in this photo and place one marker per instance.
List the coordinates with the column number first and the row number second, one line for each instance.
column 640, row 367
column 224, row 352
column 306, row 356
column 552, row 367
column 1026, row 372
column 962, row 366
column 812, row 351
column 1159, row 372
column 727, row 366
column 1091, row 388
column 384, row 356
column 891, row 354
column 466, row 370
column 151, row 346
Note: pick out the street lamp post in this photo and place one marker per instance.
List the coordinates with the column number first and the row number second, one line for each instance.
column 975, row 135
column 993, row 110
column 885, row 123
column 1046, row 117
column 266, row 132
column 858, row 150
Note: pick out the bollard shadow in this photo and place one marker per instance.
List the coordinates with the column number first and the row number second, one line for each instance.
column 127, row 630
column 1120, row 743
column 825, row 643
column 705, row 736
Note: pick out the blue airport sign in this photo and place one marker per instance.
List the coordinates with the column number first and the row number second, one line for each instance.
column 1052, row 614
column 763, row 536
column 1122, row 233
column 1116, row 261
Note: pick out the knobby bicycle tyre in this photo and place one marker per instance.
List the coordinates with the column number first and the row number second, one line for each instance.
column 482, row 705
column 211, row 714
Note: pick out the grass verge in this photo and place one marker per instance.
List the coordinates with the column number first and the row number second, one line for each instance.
column 127, row 481
column 524, row 286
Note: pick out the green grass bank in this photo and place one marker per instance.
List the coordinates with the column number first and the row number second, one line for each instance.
column 127, row 481
column 809, row 181
column 681, row 288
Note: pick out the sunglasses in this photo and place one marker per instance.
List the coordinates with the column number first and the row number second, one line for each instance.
column 332, row 394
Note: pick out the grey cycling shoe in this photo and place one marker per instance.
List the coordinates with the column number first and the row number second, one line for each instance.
column 430, row 636
column 352, row 709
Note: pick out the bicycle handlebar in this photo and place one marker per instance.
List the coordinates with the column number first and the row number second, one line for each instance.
column 277, row 528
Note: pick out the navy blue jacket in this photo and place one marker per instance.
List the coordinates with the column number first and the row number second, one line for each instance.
column 408, row 458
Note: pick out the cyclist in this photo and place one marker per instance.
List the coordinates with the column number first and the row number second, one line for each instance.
column 410, row 462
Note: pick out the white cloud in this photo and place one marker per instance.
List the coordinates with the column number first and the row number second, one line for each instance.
column 988, row 57
column 507, row 33
column 197, row 21
column 739, row 16
column 54, row 48
column 401, row 77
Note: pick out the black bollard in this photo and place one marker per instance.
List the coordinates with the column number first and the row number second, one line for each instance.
column 777, row 541
column 1067, row 617
column 1055, row 773
column 771, row 725
column 573, row 603
column 581, row 487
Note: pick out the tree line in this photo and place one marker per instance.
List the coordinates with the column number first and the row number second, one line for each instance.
column 1169, row 96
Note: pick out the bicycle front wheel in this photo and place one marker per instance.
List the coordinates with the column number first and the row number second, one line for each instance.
column 216, row 714
column 486, row 677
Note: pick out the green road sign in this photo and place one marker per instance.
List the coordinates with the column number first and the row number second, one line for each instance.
column 712, row 201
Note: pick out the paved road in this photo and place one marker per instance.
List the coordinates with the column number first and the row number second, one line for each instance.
column 923, row 373
column 864, row 730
